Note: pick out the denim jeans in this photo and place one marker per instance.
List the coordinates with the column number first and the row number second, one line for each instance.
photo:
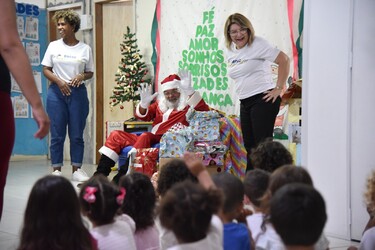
column 67, row 111
column 257, row 121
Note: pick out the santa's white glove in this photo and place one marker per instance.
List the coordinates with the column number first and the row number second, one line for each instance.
column 146, row 95
column 185, row 76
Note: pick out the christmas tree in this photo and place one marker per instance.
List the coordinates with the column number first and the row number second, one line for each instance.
column 130, row 74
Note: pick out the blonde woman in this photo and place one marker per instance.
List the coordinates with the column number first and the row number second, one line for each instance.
column 249, row 60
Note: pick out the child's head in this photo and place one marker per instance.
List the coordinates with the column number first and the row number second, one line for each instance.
column 255, row 184
column 187, row 209
column 370, row 194
column 298, row 214
column 284, row 175
column 100, row 200
column 173, row 172
column 140, row 198
column 288, row 174
column 233, row 191
column 269, row 155
column 52, row 217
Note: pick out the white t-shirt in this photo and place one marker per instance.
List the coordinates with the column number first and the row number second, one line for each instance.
column 213, row 240
column 254, row 222
column 116, row 235
column 368, row 240
column 68, row 61
column 270, row 240
column 250, row 67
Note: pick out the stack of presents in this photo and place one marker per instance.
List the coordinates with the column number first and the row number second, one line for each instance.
column 214, row 138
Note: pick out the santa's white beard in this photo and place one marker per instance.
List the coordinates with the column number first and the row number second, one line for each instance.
column 164, row 104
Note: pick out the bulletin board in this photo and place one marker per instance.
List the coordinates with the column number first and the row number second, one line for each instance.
column 32, row 28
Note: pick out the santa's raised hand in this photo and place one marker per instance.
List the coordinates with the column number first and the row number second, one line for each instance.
column 146, row 95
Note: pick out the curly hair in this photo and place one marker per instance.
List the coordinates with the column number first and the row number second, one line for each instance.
column 370, row 193
column 173, row 172
column 270, row 155
column 70, row 16
column 140, row 199
column 187, row 209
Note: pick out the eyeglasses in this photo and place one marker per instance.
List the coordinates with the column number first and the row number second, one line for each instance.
column 171, row 92
column 242, row 31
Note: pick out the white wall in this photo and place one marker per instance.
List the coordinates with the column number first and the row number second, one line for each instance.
column 362, row 112
column 337, row 119
column 39, row 3
column 325, row 106
column 144, row 11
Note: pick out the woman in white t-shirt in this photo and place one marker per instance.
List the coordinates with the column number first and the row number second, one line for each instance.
column 249, row 59
column 67, row 64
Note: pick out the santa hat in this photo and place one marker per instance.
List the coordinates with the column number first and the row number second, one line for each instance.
column 171, row 82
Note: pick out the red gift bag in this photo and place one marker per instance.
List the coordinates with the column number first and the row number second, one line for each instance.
column 145, row 161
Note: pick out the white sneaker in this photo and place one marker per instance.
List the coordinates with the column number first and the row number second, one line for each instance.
column 80, row 175
column 57, row 173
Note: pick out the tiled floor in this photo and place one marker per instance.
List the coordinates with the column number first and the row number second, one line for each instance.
column 22, row 175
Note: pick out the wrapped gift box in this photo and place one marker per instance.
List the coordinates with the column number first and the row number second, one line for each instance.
column 204, row 124
column 213, row 159
column 174, row 144
column 145, row 161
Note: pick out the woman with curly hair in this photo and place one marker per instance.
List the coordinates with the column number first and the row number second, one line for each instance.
column 368, row 237
column 67, row 64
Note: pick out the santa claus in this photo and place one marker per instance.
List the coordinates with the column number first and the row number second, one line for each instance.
column 177, row 96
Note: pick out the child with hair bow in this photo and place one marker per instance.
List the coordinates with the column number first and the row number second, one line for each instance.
column 100, row 200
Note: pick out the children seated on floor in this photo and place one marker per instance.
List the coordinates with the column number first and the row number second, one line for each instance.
column 189, row 210
column 298, row 214
column 139, row 204
column 236, row 234
column 53, row 219
column 100, row 201
column 268, row 238
column 255, row 186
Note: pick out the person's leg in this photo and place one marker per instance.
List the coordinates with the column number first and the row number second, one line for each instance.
column 145, row 140
column 6, row 142
column 58, row 115
column 247, row 129
column 116, row 141
column 264, row 116
column 78, row 105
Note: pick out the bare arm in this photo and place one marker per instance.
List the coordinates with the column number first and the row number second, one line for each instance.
column 17, row 61
column 197, row 168
column 283, row 71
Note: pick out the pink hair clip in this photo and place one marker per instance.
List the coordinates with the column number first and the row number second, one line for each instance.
column 121, row 196
column 89, row 195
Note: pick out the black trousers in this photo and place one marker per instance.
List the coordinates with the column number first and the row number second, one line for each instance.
column 257, row 121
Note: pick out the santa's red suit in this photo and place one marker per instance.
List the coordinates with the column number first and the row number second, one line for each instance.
column 162, row 121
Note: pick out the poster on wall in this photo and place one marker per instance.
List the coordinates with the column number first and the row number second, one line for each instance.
column 20, row 107
column 201, row 45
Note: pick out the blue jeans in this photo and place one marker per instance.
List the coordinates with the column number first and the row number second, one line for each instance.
column 67, row 111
